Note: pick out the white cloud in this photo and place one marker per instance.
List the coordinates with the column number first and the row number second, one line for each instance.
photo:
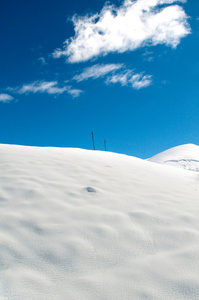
column 74, row 92
column 122, row 78
column 139, row 81
column 49, row 87
column 133, row 25
column 5, row 98
column 97, row 71
column 136, row 81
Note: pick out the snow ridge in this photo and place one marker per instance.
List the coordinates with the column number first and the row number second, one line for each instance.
column 185, row 157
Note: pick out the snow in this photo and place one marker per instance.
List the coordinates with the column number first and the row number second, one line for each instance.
column 83, row 225
column 185, row 156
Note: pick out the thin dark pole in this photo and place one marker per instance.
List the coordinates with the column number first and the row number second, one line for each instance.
column 93, row 141
column 105, row 145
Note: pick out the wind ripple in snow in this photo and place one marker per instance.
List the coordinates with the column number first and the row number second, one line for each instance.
column 134, row 235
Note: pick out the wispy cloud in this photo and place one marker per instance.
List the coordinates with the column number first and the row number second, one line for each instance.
column 42, row 60
column 97, row 71
column 75, row 93
column 48, row 87
column 5, row 98
column 125, row 78
column 133, row 25
column 148, row 56
column 139, row 81
column 128, row 78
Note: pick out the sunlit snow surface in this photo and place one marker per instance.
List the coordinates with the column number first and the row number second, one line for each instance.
column 85, row 225
column 185, row 157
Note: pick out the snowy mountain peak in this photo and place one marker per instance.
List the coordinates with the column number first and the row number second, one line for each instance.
column 184, row 156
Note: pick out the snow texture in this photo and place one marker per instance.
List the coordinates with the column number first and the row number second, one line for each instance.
column 185, row 156
column 84, row 225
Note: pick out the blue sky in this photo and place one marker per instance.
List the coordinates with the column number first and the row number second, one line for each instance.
column 126, row 70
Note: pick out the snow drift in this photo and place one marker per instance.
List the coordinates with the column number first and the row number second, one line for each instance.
column 78, row 224
column 185, row 157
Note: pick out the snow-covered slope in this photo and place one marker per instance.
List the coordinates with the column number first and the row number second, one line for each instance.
column 185, row 156
column 85, row 225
